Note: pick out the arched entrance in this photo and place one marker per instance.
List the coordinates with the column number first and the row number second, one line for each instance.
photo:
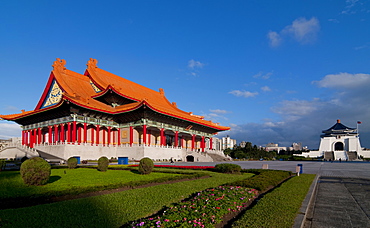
column 339, row 146
column 190, row 158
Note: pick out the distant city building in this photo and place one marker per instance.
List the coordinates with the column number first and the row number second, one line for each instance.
column 297, row 146
column 274, row 147
column 224, row 143
column 242, row 144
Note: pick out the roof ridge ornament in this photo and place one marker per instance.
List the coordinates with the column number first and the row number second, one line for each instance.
column 59, row 65
column 161, row 91
column 92, row 63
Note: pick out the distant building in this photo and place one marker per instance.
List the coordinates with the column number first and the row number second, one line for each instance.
column 339, row 143
column 224, row 143
column 297, row 146
column 274, row 147
column 242, row 144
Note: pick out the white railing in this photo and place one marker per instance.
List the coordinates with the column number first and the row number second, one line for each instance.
column 24, row 148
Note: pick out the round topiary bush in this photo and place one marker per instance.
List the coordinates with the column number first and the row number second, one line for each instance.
column 35, row 171
column 103, row 163
column 146, row 166
column 72, row 162
column 228, row 168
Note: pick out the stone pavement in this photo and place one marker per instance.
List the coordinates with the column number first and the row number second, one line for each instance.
column 338, row 197
column 339, row 202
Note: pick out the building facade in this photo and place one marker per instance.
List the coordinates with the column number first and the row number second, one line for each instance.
column 101, row 114
column 339, row 143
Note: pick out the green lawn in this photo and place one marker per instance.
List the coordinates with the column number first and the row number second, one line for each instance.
column 73, row 181
column 279, row 207
column 111, row 210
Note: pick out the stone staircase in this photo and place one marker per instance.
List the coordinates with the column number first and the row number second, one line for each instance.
column 352, row 155
column 218, row 158
column 329, row 155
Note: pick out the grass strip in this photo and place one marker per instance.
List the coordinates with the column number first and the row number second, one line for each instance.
column 279, row 207
column 76, row 181
column 111, row 210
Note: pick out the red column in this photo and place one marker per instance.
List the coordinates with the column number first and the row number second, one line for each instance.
column 176, row 139
column 203, row 144
column 69, row 132
column 31, row 138
column 193, row 142
column 144, row 134
column 62, row 132
column 79, row 134
column 210, row 143
column 50, row 135
column 113, row 136
column 92, row 135
column 39, row 137
column 131, row 135
column 55, row 133
column 34, row 138
column 85, row 132
column 149, row 136
column 103, row 133
column 162, row 137
column 74, row 132
column 109, row 136
column 119, row 136
column 97, row 134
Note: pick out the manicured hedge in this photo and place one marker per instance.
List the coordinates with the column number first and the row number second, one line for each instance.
column 146, row 166
column 264, row 179
column 35, row 171
column 228, row 168
column 72, row 162
column 103, row 163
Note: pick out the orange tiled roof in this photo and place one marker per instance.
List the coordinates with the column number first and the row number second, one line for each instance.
column 78, row 89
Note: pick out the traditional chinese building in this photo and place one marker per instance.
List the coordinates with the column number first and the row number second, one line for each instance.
column 101, row 114
column 339, row 142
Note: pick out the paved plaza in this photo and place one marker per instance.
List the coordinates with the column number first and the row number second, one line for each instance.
column 339, row 196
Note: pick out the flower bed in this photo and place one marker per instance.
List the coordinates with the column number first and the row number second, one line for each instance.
column 179, row 166
column 204, row 209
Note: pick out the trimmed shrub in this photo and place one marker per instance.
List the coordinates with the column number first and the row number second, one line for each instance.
column 35, row 171
column 103, row 163
column 146, row 166
column 72, row 162
column 228, row 168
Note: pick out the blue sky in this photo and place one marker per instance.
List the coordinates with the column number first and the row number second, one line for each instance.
column 274, row 71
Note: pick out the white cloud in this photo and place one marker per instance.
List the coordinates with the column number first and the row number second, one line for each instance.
column 274, row 38
column 333, row 20
column 195, row 64
column 240, row 93
column 265, row 88
column 9, row 130
column 303, row 120
column 344, row 81
column 219, row 111
column 350, row 4
column 263, row 75
column 302, row 30
column 365, row 46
